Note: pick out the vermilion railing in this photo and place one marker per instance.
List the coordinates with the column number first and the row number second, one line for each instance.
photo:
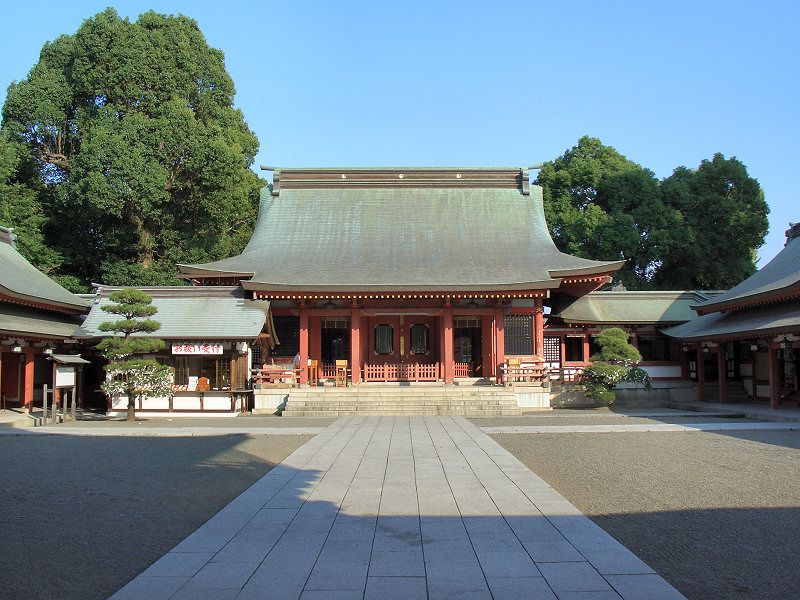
column 401, row 372
column 462, row 370
column 327, row 371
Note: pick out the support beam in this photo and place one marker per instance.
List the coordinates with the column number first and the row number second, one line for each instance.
column 587, row 349
column 303, row 346
column 684, row 364
column 487, row 347
column 355, row 345
column 774, row 378
column 538, row 329
column 721, row 368
column 499, row 343
column 28, row 369
column 447, row 342
column 701, row 373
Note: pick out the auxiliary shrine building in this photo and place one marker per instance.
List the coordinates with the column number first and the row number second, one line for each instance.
column 407, row 274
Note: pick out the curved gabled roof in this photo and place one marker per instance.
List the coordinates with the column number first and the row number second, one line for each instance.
column 20, row 280
column 327, row 232
column 633, row 307
column 779, row 277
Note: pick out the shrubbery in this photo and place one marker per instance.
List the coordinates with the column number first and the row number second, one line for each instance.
column 614, row 363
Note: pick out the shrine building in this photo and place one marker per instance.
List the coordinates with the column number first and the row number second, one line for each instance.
column 408, row 274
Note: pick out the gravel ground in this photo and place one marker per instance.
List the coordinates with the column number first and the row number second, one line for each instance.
column 717, row 515
column 81, row 516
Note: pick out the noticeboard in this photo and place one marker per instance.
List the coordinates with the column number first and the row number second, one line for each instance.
column 65, row 376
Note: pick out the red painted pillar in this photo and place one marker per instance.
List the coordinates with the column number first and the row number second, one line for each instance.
column 586, row 348
column 447, row 332
column 701, row 373
column 315, row 338
column 303, row 346
column 355, row 345
column 538, row 329
column 28, row 369
column 500, row 343
column 487, row 347
column 774, row 378
column 721, row 368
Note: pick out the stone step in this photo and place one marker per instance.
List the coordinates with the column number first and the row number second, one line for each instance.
column 431, row 413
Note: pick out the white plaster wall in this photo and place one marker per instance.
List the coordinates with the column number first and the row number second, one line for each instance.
column 216, row 402
column 186, row 403
column 663, row 370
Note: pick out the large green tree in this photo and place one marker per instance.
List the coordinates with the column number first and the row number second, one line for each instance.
column 696, row 229
column 141, row 159
column 601, row 205
column 722, row 222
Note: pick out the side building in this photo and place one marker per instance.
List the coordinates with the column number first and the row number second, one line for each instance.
column 749, row 336
column 37, row 320
column 211, row 335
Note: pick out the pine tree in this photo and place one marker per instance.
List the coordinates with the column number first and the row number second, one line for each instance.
column 132, row 376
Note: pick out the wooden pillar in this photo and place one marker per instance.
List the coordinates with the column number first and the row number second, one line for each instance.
column 774, row 377
column 563, row 352
column 721, row 368
column 447, row 342
column 315, row 338
column 701, row 373
column 303, row 346
column 634, row 339
column 586, row 348
column 684, row 364
column 487, row 347
column 355, row 345
column 28, row 390
column 538, row 329
column 499, row 343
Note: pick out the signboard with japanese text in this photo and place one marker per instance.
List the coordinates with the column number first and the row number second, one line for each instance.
column 199, row 349
column 65, row 376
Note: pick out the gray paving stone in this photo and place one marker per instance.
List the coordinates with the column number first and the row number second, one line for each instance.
column 516, row 588
column 396, row 588
column 341, row 565
column 573, row 577
column 643, row 587
column 192, row 594
column 332, row 595
column 178, row 564
column 152, row 588
column 407, row 562
column 556, row 550
column 503, row 556
column 608, row 595
column 454, row 580
column 221, row 576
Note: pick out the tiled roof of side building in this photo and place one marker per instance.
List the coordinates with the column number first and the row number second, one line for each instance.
column 24, row 321
column 424, row 232
column 20, row 280
column 761, row 321
column 185, row 313
column 779, row 277
column 633, row 307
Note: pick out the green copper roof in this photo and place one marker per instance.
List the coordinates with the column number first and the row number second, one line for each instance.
column 401, row 238
column 21, row 280
column 781, row 318
column 632, row 307
column 780, row 275
column 23, row 321
column 202, row 313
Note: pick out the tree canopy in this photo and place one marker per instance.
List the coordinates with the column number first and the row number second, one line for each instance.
column 695, row 229
column 135, row 157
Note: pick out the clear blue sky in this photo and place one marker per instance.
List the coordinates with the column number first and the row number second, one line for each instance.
column 493, row 83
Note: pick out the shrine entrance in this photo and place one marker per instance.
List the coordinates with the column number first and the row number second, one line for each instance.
column 468, row 347
column 401, row 348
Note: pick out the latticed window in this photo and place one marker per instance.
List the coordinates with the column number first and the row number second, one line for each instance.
column 552, row 349
column 383, row 339
column 419, row 339
column 287, row 330
column 518, row 334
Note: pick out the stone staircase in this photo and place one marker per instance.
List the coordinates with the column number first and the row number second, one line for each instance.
column 734, row 392
column 473, row 401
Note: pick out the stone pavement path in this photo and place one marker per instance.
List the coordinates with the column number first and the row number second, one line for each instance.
column 399, row 507
column 639, row 428
column 168, row 432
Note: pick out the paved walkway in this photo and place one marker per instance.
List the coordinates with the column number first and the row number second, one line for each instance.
column 399, row 507
column 641, row 427
column 752, row 410
column 160, row 431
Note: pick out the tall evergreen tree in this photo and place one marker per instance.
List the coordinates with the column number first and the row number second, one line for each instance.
column 141, row 160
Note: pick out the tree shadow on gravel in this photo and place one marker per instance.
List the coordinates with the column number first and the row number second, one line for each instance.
column 83, row 515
